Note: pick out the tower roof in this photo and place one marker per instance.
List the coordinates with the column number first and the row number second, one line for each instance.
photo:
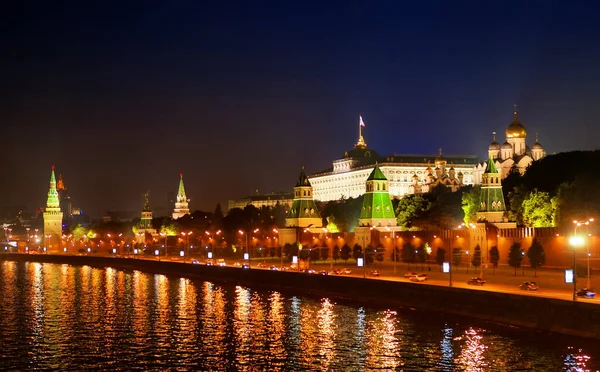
column 52, row 201
column 303, row 180
column 146, row 202
column 181, row 190
column 376, row 175
column 491, row 166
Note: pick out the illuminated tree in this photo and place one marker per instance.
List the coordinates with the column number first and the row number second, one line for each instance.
column 538, row 210
column 411, row 209
column 408, row 253
column 470, row 203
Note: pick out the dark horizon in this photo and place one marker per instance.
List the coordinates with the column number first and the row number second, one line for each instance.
column 238, row 97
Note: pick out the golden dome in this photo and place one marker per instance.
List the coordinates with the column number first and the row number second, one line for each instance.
column 516, row 129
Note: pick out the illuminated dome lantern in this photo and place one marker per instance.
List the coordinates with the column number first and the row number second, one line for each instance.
column 516, row 129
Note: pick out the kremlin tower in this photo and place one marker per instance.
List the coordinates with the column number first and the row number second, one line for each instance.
column 181, row 205
column 52, row 218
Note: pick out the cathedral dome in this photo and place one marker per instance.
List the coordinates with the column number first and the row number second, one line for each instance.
column 537, row 146
column 516, row 129
column 494, row 146
column 362, row 152
column 506, row 146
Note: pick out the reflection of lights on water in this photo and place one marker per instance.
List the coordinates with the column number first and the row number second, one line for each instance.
column 447, row 359
column 383, row 345
column 576, row 360
column 242, row 327
column 472, row 352
column 326, row 319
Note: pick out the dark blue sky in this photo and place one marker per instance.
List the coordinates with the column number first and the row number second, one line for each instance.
column 238, row 96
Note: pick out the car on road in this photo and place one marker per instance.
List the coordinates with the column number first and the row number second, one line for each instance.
column 409, row 275
column 336, row 272
column 375, row 273
column 237, row 264
column 323, row 272
column 245, row 266
column 418, row 278
column 310, row 271
column 274, row 268
column 221, row 262
column 476, row 281
column 585, row 292
column 209, row 263
column 196, row 262
column 285, row 268
column 262, row 265
column 529, row 286
column 346, row 271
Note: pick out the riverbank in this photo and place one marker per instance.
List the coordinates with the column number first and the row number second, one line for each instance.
column 572, row 318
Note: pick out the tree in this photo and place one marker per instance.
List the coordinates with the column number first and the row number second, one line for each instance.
column 494, row 257
column 336, row 253
column 369, row 253
column 471, row 199
column 379, row 254
column 420, row 255
column 412, row 209
column 476, row 260
column 357, row 252
column 515, row 256
column 538, row 210
column 324, row 253
column 536, row 255
column 456, row 256
column 314, row 254
column 440, row 256
column 345, row 253
column 408, row 253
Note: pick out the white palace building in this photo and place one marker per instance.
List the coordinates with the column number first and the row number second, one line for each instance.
column 407, row 174
column 414, row 174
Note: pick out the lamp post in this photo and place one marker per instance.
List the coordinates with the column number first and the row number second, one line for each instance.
column 393, row 247
column 575, row 241
column 164, row 235
column 577, row 224
column 186, row 235
column 241, row 232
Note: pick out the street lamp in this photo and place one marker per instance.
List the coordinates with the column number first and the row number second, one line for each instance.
column 575, row 241
column 187, row 241
column 244, row 233
column 586, row 223
column 165, row 236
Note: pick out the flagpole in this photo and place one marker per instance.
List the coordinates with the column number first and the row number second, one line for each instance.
column 359, row 128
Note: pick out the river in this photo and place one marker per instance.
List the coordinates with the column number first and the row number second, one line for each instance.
column 62, row 317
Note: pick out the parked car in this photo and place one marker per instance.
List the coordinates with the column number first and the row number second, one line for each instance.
column 196, row 262
column 409, row 275
column 375, row 273
column 586, row 292
column 529, row 286
column 418, row 278
column 209, row 263
column 476, row 281
column 221, row 262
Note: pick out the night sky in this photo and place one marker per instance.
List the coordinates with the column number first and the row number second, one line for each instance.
column 239, row 96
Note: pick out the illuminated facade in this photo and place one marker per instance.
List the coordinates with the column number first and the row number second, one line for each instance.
column 303, row 212
column 377, row 209
column 406, row 174
column 181, row 203
column 512, row 156
column 52, row 218
column 270, row 200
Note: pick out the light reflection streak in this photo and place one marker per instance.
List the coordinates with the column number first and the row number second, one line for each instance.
column 447, row 359
column 472, row 353
column 276, row 331
column 141, row 306
column 214, row 322
column 382, row 342
column 327, row 333
column 576, row 361
column 242, row 322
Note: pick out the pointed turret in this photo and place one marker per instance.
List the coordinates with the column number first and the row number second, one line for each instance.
column 304, row 212
column 181, row 205
column 492, row 207
column 377, row 209
column 147, row 215
column 52, row 218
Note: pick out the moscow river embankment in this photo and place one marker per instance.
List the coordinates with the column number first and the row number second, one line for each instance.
column 546, row 314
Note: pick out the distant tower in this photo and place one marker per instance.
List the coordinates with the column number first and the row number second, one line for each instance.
column 52, row 218
column 377, row 209
column 304, row 212
column 537, row 150
column 64, row 198
column 146, row 220
column 181, row 205
column 491, row 207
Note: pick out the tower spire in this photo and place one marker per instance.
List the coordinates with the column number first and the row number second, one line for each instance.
column 52, row 218
column 52, row 201
column 361, row 141
column 181, row 202
column 494, row 136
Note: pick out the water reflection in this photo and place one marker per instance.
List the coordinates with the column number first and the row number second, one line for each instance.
column 59, row 317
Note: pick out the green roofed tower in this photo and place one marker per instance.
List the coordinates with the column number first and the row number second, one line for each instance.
column 181, row 204
column 377, row 209
column 304, row 212
column 52, row 218
column 491, row 206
